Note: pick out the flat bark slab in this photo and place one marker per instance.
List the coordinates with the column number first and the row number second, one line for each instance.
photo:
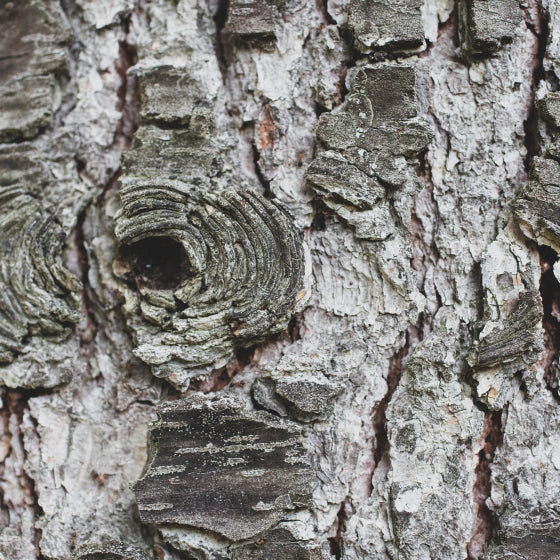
column 218, row 467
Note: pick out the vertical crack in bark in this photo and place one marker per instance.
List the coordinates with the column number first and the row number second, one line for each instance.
column 128, row 104
column 396, row 368
column 493, row 435
column 88, row 332
column 264, row 182
column 550, row 294
column 220, row 43
column 425, row 252
column 538, row 21
column 15, row 404
column 128, row 94
column 324, row 10
column 540, row 28
column 341, row 520
column 381, row 450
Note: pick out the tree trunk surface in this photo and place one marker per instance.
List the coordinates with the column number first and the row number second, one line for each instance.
column 279, row 279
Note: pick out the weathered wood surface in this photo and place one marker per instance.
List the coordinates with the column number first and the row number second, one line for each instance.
column 279, row 279
column 219, row 468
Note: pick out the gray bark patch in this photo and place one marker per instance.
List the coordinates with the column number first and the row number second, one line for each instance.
column 218, row 467
column 37, row 294
column 243, row 270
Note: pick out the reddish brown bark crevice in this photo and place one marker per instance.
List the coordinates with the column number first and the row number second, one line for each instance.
column 128, row 103
column 88, row 332
column 266, row 130
column 537, row 21
column 322, row 6
column 396, row 368
column 265, row 183
column 380, row 416
column 492, row 436
column 222, row 377
column 128, row 94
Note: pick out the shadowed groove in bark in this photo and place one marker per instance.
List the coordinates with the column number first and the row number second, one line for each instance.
column 425, row 251
column 264, row 182
column 129, row 105
column 89, row 332
column 541, row 30
column 550, row 293
column 324, row 9
column 397, row 364
column 341, row 519
column 382, row 446
column 129, row 96
column 15, row 403
column 220, row 42
column 493, row 435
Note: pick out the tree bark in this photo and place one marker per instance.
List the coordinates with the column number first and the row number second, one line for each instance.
column 279, row 279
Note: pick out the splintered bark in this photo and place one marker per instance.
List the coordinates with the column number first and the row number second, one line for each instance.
column 279, row 279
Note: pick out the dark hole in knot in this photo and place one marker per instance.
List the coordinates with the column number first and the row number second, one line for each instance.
column 159, row 263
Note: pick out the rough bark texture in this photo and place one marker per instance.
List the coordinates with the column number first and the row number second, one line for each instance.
column 279, row 279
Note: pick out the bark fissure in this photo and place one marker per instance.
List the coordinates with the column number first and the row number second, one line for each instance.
column 550, row 294
column 425, row 251
column 382, row 446
column 220, row 42
column 336, row 542
column 492, row 435
column 88, row 332
column 539, row 28
column 379, row 418
column 15, row 404
column 264, row 182
column 128, row 94
column 323, row 7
